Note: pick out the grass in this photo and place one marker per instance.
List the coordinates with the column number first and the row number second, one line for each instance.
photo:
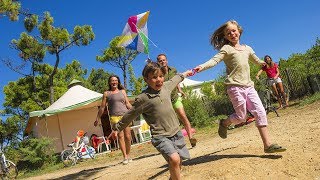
column 310, row 99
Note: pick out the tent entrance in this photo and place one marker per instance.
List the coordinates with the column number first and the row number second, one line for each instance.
column 106, row 124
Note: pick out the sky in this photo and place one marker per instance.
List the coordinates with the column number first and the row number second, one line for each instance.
column 180, row 29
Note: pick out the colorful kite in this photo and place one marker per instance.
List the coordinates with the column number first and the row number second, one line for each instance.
column 135, row 33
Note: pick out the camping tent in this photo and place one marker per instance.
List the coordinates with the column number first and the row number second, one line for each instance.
column 76, row 109
column 195, row 85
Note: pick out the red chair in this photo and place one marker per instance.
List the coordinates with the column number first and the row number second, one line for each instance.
column 98, row 142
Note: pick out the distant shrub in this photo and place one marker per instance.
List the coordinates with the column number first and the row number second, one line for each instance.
column 36, row 153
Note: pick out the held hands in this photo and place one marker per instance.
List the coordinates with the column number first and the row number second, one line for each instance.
column 198, row 69
column 263, row 63
column 193, row 71
column 187, row 73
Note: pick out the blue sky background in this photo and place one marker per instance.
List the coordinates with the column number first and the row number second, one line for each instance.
column 180, row 29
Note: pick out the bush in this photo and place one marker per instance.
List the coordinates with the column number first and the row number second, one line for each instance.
column 219, row 105
column 36, row 153
column 196, row 111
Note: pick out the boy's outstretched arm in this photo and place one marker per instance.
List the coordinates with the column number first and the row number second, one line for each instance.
column 187, row 73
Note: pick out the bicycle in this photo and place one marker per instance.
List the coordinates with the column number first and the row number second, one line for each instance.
column 286, row 91
column 69, row 157
column 266, row 98
column 8, row 168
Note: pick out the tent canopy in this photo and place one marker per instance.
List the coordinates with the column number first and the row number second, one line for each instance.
column 189, row 82
column 77, row 96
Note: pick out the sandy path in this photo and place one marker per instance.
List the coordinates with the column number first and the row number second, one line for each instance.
column 240, row 156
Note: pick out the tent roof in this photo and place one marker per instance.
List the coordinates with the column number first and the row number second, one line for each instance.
column 189, row 82
column 75, row 97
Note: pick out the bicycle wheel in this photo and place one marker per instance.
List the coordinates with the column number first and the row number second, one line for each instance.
column 90, row 152
column 11, row 171
column 68, row 158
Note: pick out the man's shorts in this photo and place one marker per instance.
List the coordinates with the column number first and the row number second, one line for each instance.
column 274, row 81
column 178, row 104
column 169, row 145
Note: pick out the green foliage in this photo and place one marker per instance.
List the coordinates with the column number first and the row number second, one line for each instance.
column 29, row 48
column 310, row 99
column 98, row 79
column 137, row 84
column 197, row 115
column 36, row 153
column 46, row 26
column 83, row 35
column 313, row 55
column 118, row 57
column 8, row 131
column 21, row 95
column 30, row 22
column 219, row 105
column 207, row 89
column 10, row 8
column 216, row 102
column 55, row 40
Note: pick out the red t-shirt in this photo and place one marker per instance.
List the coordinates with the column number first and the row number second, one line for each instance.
column 271, row 71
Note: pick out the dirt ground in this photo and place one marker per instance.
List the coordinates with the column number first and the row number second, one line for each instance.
column 240, row 156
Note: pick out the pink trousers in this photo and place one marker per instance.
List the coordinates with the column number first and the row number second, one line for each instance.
column 243, row 99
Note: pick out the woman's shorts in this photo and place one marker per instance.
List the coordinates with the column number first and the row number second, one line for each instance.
column 274, row 81
column 115, row 119
column 169, row 145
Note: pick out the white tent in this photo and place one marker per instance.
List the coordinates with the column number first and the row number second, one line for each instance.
column 195, row 85
column 76, row 109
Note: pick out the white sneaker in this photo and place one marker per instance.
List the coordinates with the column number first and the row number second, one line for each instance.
column 125, row 161
column 130, row 160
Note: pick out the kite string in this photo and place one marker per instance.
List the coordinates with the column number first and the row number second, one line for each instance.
column 144, row 35
column 147, row 38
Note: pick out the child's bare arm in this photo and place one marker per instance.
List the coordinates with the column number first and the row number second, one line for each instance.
column 188, row 128
column 187, row 73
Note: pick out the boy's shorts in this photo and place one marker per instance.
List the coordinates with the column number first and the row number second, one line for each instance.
column 169, row 145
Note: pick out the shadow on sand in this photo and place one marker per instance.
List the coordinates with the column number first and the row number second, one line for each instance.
column 213, row 157
column 87, row 173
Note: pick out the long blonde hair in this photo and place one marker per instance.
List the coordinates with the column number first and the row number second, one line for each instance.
column 217, row 39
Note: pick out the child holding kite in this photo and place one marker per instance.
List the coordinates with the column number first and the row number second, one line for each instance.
column 154, row 104
column 240, row 87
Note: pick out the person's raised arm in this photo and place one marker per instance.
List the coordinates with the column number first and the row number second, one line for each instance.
column 258, row 74
column 101, row 109
column 187, row 73
column 211, row 62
